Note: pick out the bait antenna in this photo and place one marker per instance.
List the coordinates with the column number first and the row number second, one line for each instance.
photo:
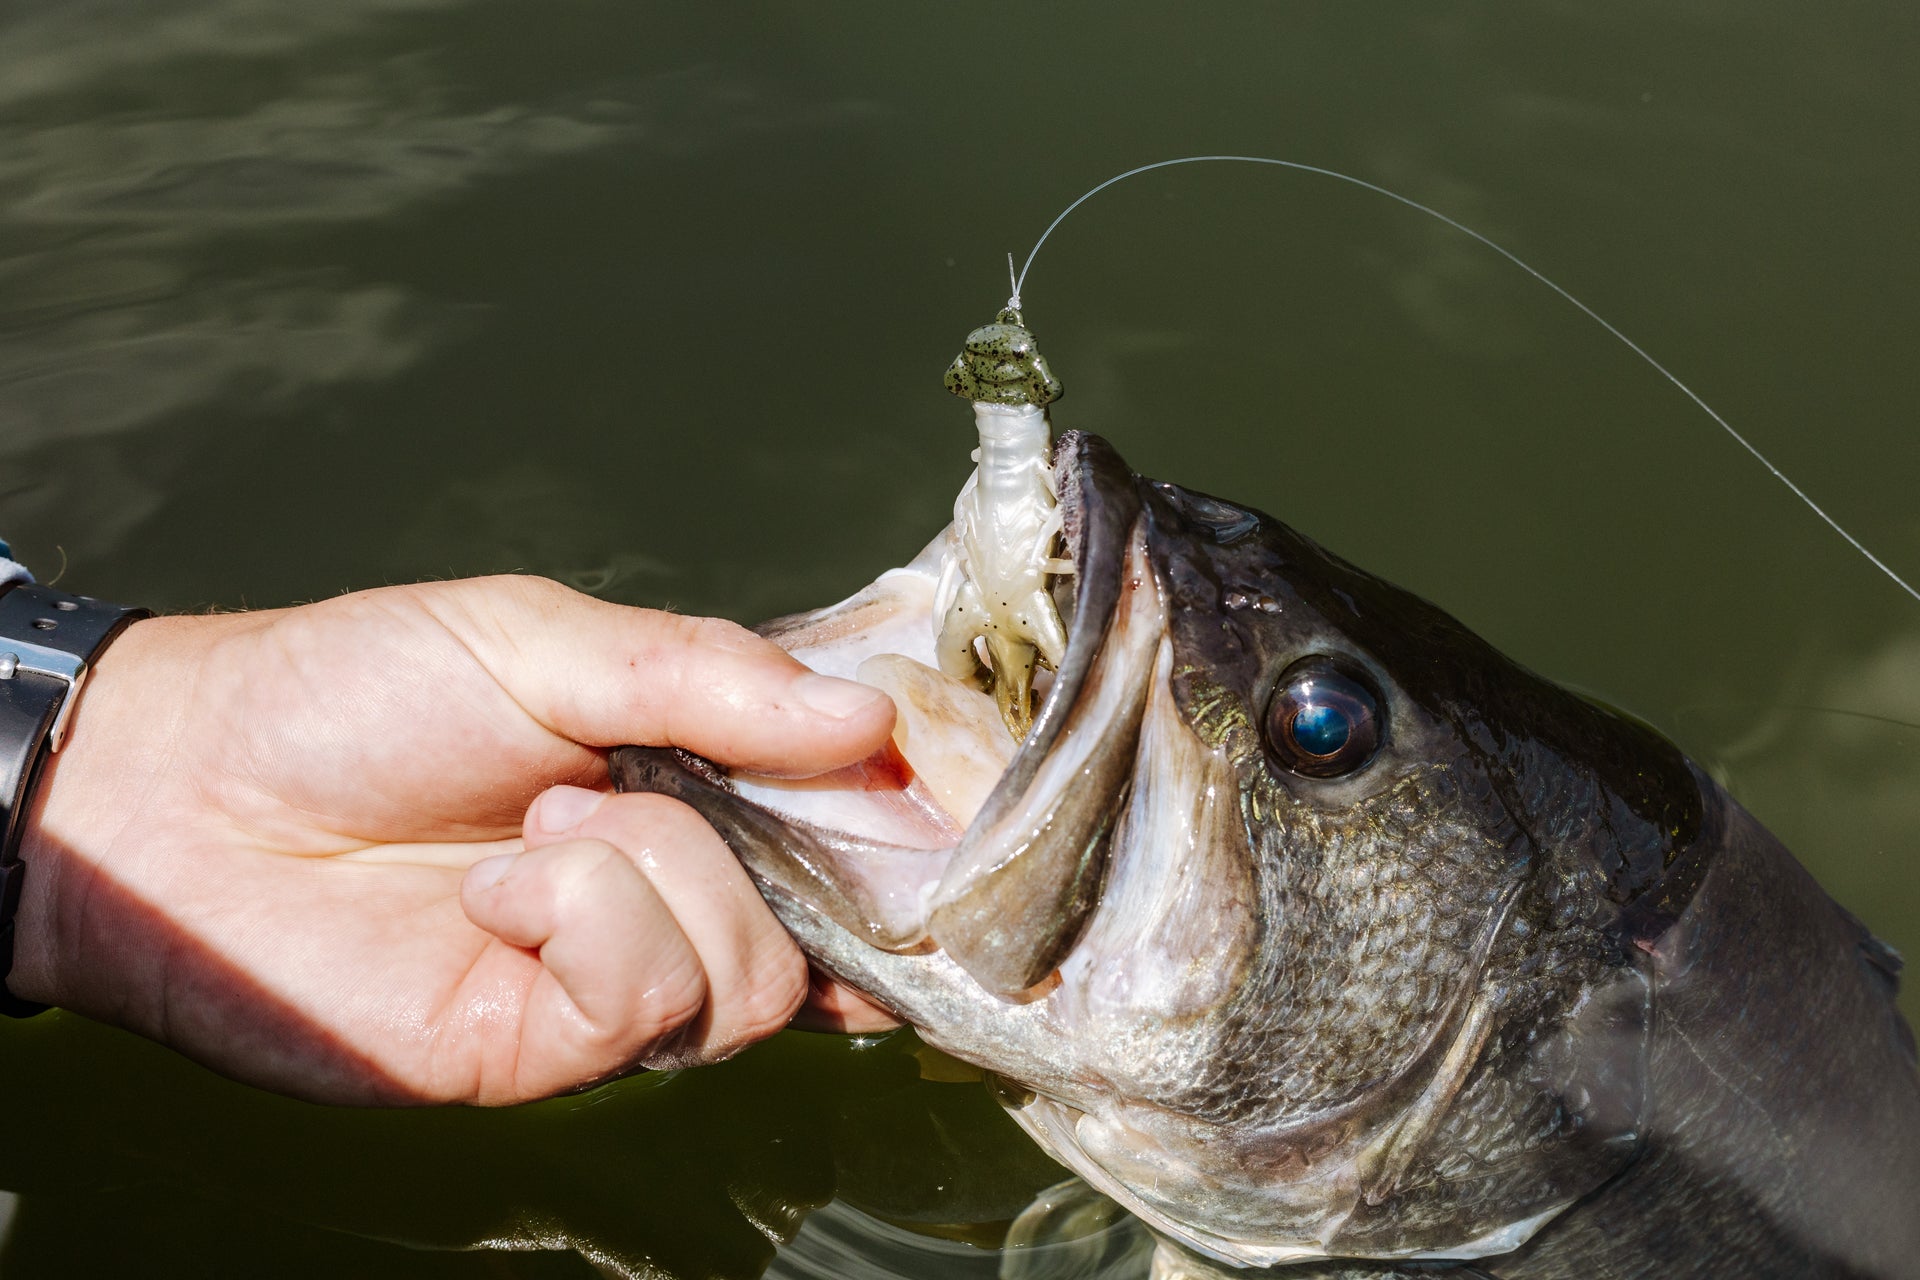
column 1013, row 299
column 1515, row 259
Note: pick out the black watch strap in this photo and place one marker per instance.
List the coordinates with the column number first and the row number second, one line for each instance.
column 48, row 640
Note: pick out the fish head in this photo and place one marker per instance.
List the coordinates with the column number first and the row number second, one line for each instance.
column 1303, row 923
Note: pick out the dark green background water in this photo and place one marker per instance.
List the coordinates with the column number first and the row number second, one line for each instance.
column 298, row 298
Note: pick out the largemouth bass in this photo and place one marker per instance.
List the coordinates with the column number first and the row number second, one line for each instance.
column 1323, row 937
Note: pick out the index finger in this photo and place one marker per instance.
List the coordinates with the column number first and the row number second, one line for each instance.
column 607, row 675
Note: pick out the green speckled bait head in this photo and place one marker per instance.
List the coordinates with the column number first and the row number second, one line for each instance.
column 1006, row 524
column 1002, row 364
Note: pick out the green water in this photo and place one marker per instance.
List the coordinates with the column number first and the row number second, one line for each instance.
column 296, row 299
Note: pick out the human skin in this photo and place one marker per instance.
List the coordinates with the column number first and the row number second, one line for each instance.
column 363, row 851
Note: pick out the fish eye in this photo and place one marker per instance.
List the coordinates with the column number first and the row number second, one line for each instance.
column 1324, row 719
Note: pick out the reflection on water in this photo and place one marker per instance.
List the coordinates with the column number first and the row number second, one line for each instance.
column 841, row 1243
column 203, row 207
column 697, row 1173
column 301, row 298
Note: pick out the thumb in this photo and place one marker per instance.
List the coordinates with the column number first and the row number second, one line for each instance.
column 607, row 675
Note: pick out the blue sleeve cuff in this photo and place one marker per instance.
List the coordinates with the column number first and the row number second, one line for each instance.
column 10, row 569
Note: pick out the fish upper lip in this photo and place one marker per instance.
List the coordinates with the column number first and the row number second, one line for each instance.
column 1013, row 898
column 1099, row 503
column 1013, row 901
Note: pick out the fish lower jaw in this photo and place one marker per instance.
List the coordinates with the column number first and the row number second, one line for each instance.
column 1170, row 1191
column 1345, row 1181
column 1255, row 1217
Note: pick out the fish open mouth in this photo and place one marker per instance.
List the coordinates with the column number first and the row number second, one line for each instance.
column 954, row 838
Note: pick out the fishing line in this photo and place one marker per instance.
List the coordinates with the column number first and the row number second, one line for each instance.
column 1021, row 280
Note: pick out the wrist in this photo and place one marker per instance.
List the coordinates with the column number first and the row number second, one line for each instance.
column 71, row 797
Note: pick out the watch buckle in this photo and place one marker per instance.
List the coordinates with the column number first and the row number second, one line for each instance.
column 23, row 655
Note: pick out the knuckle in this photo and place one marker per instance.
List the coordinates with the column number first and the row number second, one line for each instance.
column 495, row 615
column 645, row 824
column 716, row 634
column 581, row 871
column 499, row 609
column 660, row 816
column 774, row 992
column 671, row 1002
column 536, row 594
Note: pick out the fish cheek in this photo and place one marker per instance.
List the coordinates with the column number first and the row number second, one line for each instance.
column 1376, row 918
column 1171, row 942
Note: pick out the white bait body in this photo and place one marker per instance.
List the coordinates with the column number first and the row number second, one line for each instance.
column 994, row 588
column 1005, row 524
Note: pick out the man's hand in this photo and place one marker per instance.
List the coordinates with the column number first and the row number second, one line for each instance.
column 362, row 851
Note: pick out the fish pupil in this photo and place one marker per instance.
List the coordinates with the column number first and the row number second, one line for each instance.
column 1321, row 730
column 1324, row 718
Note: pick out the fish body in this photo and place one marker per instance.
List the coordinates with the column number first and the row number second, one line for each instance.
column 1325, row 938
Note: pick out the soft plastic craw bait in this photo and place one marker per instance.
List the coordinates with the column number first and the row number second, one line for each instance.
column 1006, row 523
